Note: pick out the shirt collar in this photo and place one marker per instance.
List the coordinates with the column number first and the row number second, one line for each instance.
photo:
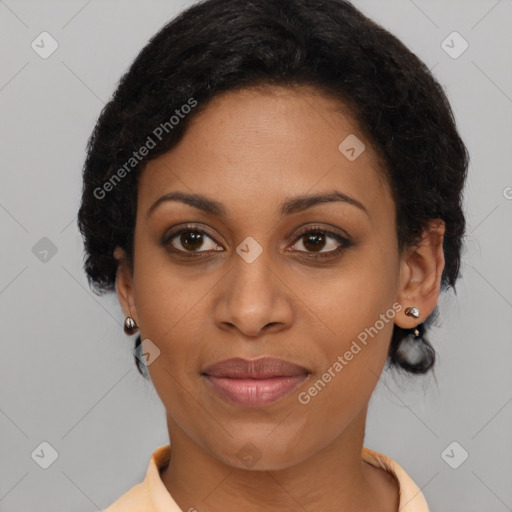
column 411, row 497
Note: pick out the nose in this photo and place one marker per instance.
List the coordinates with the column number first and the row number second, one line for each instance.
column 253, row 299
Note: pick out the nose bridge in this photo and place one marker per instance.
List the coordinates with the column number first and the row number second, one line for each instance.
column 252, row 296
column 251, row 281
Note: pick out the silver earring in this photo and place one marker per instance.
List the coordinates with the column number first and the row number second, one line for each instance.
column 130, row 326
column 414, row 353
column 414, row 312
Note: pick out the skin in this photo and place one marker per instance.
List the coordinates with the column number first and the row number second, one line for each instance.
column 251, row 150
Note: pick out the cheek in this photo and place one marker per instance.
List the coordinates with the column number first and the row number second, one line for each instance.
column 356, row 306
column 163, row 297
column 166, row 313
column 169, row 317
column 352, row 298
column 342, row 386
column 172, row 318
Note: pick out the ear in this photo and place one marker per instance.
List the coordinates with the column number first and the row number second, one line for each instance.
column 124, row 284
column 421, row 269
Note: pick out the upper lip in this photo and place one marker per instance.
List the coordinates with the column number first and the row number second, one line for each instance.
column 261, row 368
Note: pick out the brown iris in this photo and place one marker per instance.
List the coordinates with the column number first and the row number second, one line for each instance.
column 191, row 240
column 314, row 241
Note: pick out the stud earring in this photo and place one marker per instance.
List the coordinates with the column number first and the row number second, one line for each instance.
column 414, row 312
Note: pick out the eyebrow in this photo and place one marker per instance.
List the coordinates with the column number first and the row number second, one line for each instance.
column 288, row 207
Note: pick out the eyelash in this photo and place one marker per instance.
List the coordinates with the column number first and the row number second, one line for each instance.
column 344, row 242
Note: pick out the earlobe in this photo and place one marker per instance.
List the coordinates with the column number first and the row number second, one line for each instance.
column 421, row 271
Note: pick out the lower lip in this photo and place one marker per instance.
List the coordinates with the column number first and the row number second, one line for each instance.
column 255, row 392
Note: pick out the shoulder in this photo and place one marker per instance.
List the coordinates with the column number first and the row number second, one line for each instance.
column 411, row 497
column 134, row 500
column 151, row 492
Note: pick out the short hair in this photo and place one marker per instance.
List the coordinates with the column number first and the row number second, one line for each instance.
column 227, row 45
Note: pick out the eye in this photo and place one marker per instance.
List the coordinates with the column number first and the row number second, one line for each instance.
column 315, row 240
column 190, row 239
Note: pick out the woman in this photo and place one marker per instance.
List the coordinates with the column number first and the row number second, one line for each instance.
column 274, row 192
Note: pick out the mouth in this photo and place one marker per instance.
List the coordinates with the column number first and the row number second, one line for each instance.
column 254, row 383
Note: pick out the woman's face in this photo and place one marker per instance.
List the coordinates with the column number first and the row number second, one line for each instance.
column 250, row 282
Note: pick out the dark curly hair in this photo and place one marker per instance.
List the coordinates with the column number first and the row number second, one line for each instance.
column 226, row 45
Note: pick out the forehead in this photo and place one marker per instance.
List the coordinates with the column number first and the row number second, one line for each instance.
column 253, row 147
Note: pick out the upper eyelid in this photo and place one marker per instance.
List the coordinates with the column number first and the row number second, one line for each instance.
column 329, row 231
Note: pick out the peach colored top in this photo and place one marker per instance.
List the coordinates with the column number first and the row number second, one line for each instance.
column 151, row 495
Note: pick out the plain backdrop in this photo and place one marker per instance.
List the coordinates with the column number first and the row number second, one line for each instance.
column 67, row 376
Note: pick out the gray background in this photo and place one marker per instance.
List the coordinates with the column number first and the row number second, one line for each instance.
column 67, row 375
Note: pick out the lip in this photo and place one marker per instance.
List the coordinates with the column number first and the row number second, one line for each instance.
column 256, row 382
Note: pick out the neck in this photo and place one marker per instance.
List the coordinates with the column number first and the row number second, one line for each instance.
column 332, row 479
